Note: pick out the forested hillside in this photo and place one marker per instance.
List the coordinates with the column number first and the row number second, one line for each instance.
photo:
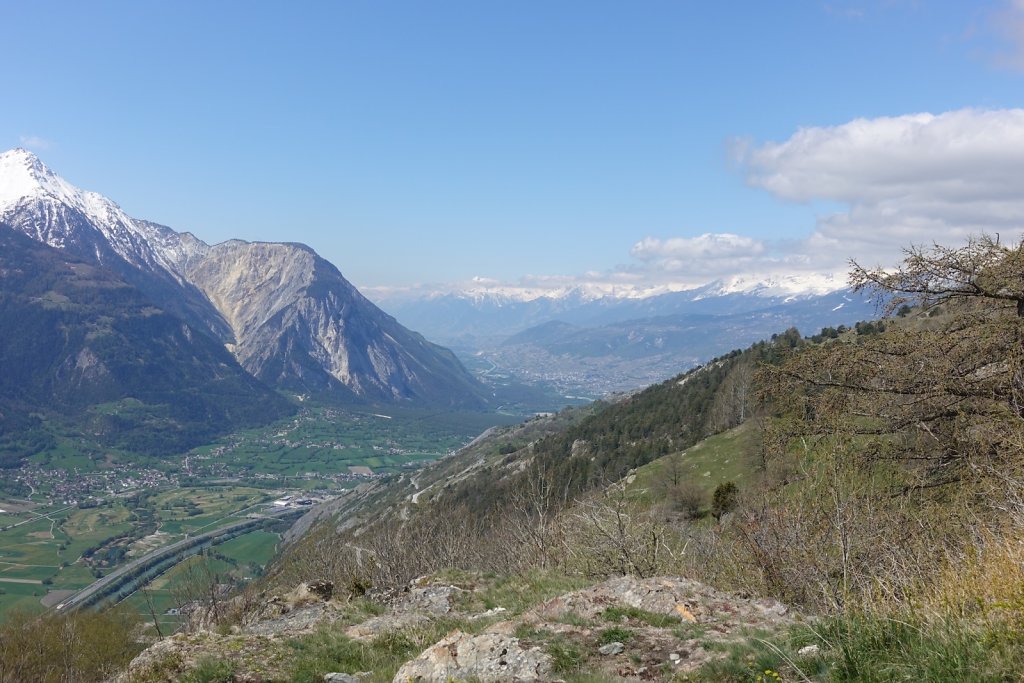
column 81, row 345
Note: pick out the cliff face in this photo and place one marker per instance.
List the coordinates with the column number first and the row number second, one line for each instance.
column 298, row 323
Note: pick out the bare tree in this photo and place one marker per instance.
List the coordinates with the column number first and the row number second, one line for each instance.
column 151, row 609
column 197, row 592
column 983, row 269
column 534, row 505
column 613, row 534
column 916, row 433
column 948, row 397
column 734, row 400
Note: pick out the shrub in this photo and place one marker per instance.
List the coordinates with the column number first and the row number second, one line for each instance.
column 211, row 670
column 724, row 499
column 83, row 647
column 615, row 634
column 688, row 498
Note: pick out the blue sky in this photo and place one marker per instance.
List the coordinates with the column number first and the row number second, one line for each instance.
column 431, row 142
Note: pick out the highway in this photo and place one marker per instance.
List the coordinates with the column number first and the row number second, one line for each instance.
column 160, row 560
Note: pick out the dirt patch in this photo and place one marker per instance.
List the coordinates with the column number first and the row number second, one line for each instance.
column 41, row 534
column 16, row 507
column 149, row 543
column 32, row 581
column 55, row 597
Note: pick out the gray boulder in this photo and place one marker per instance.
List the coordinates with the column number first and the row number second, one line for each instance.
column 488, row 658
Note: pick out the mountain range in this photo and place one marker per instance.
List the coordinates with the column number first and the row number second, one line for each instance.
column 490, row 314
column 582, row 341
column 275, row 312
column 291, row 320
column 82, row 345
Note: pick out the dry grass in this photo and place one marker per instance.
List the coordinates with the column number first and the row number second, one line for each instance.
column 985, row 587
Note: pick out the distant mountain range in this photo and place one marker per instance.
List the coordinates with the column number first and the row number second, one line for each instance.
column 494, row 314
column 591, row 342
column 277, row 313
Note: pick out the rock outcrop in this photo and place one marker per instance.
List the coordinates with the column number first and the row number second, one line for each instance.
column 663, row 628
column 297, row 323
column 488, row 657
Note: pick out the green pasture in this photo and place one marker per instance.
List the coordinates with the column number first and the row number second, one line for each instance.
column 252, row 548
column 19, row 596
column 733, row 455
column 323, row 440
column 190, row 510
column 95, row 524
column 48, row 546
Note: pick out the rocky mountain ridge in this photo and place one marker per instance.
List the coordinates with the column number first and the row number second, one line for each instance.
column 288, row 316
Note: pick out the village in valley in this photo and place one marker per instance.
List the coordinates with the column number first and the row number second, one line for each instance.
column 71, row 516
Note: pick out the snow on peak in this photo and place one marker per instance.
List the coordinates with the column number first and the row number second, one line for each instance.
column 24, row 176
column 488, row 291
column 767, row 285
column 774, row 285
column 25, row 181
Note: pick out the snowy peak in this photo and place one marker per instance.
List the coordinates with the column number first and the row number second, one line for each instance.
column 46, row 207
column 24, row 176
column 808, row 284
column 486, row 292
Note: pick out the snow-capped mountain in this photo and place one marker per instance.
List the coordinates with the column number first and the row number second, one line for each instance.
column 288, row 316
column 589, row 346
column 485, row 291
column 793, row 286
column 490, row 313
column 37, row 202
column 83, row 345
column 51, row 210
column 593, row 338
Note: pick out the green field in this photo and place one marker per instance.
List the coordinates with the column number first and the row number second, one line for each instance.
column 256, row 548
column 34, row 548
column 326, row 441
column 733, row 455
column 17, row 596
column 192, row 510
column 77, row 452
column 62, row 547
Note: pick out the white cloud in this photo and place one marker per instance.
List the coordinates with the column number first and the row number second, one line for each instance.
column 709, row 245
column 906, row 179
column 901, row 180
column 705, row 255
column 35, row 142
column 898, row 181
